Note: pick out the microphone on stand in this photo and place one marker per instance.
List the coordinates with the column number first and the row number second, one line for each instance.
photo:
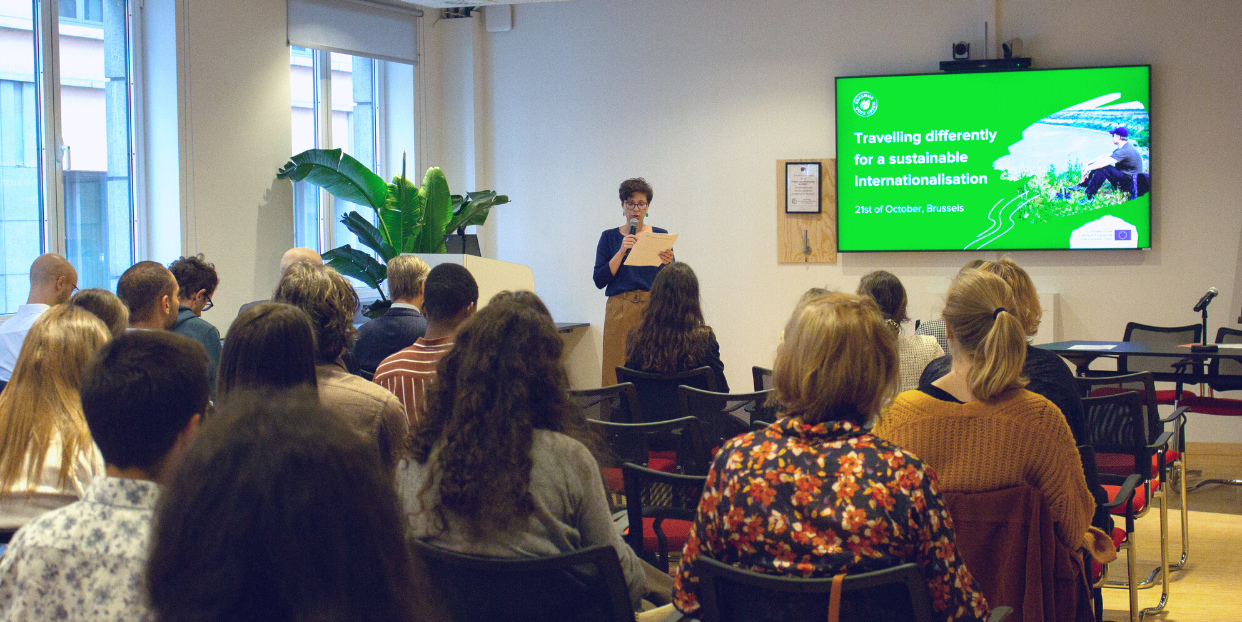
column 1212, row 292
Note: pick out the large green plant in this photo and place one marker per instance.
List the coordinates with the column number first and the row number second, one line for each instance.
column 410, row 219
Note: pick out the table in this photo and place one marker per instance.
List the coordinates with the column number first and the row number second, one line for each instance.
column 1079, row 353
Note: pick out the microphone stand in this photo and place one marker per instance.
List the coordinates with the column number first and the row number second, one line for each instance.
column 1205, row 346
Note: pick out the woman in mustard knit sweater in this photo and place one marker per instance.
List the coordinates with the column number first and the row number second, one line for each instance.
column 977, row 426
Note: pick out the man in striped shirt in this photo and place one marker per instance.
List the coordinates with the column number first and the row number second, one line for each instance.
column 450, row 297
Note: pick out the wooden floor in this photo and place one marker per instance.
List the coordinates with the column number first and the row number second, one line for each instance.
column 1210, row 587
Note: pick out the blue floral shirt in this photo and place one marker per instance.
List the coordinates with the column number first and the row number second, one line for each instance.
column 84, row 561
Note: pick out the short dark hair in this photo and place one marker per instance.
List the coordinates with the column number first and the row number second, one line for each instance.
column 449, row 289
column 328, row 299
column 194, row 274
column 888, row 293
column 139, row 393
column 106, row 306
column 142, row 285
column 637, row 184
column 328, row 543
column 271, row 345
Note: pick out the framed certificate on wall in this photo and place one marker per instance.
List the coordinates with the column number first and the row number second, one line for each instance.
column 803, row 188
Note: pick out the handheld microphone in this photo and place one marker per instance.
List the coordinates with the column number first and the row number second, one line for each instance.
column 633, row 226
column 1206, row 299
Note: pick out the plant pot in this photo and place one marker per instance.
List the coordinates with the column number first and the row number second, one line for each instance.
column 462, row 244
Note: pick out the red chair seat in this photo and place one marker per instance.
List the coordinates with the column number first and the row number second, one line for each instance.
column 1123, row 464
column 677, row 532
column 1163, row 396
column 665, row 461
column 1140, row 501
column 1222, row 406
column 613, row 480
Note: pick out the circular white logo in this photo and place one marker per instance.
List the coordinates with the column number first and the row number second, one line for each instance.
column 865, row 104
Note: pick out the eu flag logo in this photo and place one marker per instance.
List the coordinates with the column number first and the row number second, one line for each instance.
column 1121, row 234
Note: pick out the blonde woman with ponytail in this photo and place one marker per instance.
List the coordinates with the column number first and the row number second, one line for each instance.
column 47, row 456
column 977, row 426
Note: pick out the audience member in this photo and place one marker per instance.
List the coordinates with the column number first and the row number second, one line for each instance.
column 327, row 545
column 331, row 302
column 149, row 290
column 106, row 306
column 672, row 336
column 270, row 346
column 914, row 352
column 291, row 257
column 497, row 467
column 935, row 327
column 451, row 297
column 403, row 323
column 977, row 425
column 1046, row 373
column 196, row 283
column 144, row 395
column 47, row 457
column 865, row 504
column 52, row 281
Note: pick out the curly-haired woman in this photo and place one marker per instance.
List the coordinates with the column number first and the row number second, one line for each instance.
column 814, row 495
column 497, row 467
column 673, row 336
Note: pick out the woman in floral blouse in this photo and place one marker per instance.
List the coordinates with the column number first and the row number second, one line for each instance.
column 813, row 495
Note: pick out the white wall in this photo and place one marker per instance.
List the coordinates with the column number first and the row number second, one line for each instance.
column 702, row 98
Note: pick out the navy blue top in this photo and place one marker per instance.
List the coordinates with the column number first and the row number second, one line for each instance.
column 383, row 336
column 627, row 278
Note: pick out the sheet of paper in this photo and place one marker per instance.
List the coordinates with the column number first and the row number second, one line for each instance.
column 1222, row 346
column 647, row 249
column 1092, row 346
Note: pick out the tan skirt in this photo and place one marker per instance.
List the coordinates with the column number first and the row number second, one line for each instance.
column 624, row 311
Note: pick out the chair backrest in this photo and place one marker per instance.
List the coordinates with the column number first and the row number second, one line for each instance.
column 586, row 585
column 657, row 393
column 618, row 403
column 1143, row 383
column 634, row 442
column 1117, row 424
column 660, row 496
column 728, row 593
column 1157, row 335
column 724, row 415
column 1224, row 368
column 762, row 376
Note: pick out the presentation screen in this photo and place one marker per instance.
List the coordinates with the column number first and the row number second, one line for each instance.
column 1044, row 159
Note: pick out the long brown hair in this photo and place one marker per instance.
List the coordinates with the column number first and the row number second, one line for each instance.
column 672, row 336
column 502, row 380
column 980, row 313
column 41, row 402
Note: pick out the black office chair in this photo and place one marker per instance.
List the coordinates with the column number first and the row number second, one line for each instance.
column 1117, row 424
column 1164, row 369
column 583, row 586
column 1122, row 498
column 1224, row 374
column 724, row 415
column 617, row 403
column 657, row 393
column 641, row 443
column 660, row 508
column 762, row 377
column 729, row 594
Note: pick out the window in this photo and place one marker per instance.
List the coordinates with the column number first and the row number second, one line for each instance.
column 66, row 154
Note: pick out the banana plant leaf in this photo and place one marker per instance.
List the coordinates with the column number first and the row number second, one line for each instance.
column 403, row 215
column 437, row 213
column 369, row 235
column 473, row 208
column 338, row 173
column 359, row 265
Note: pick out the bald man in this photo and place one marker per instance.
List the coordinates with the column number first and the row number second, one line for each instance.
column 291, row 257
column 52, row 282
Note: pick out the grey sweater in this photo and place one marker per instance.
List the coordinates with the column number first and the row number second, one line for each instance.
column 571, row 511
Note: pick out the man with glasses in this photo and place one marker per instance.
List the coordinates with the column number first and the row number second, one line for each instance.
column 197, row 280
column 628, row 287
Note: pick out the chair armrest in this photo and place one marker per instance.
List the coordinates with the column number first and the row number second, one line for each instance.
column 1123, row 495
column 1162, row 440
column 1000, row 613
column 1179, row 413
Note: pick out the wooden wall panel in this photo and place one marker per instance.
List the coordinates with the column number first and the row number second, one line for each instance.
column 821, row 229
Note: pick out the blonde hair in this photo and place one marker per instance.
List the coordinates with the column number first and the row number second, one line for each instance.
column 1027, row 300
column 978, row 314
column 41, row 402
column 405, row 274
column 837, row 361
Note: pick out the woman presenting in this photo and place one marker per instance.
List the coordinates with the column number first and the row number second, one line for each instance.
column 627, row 287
